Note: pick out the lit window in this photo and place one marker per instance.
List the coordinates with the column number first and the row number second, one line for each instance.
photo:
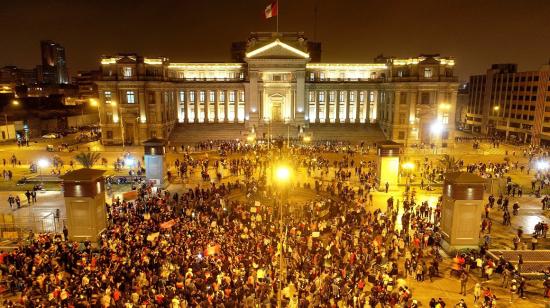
column 130, row 97
column 342, row 96
column 361, row 96
column 108, row 97
column 445, row 118
column 322, row 76
column 331, row 96
column 192, row 96
column 352, row 96
column 127, row 71
column 182, row 96
column 222, row 96
column 232, row 96
column 311, row 96
column 241, row 94
column 212, row 96
column 311, row 76
column 428, row 72
column 201, row 96
column 321, row 97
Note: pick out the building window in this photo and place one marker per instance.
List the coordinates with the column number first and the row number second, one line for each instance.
column 232, row 96
column 445, row 118
column 212, row 95
column 130, row 97
column 201, row 96
column 241, row 96
column 342, row 96
column 428, row 72
column 425, row 98
column 127, row 71
column 192, row 96
column 361, row 96
column 331, row 96
column 312, row 76
column 108, row 97
column 352, row 96
column 222, row 96
column 311, row 96
column 109, row 134
column 321, row 97
column 399, row 73
column 322, row 76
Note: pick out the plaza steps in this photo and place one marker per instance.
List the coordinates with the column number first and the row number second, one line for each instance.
column 351, row 132
column 191, row 133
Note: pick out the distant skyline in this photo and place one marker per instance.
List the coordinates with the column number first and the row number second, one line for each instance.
column 477, row 33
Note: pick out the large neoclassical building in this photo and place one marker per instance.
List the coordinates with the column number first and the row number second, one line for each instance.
column 276, row 79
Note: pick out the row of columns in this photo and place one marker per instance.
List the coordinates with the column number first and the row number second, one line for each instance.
column 338, row 103
column 207, row 102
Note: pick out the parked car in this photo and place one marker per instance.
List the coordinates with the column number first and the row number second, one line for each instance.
column 50, row 136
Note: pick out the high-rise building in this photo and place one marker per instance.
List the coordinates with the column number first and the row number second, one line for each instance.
column 511, row 104
column 54, row 63
column 409, row 100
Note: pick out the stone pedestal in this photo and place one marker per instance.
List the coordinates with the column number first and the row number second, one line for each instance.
column 461, row 210
column 388, row 164
column 155, row 165
column 84, row 192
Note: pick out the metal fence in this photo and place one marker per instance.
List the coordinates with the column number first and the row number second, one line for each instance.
column 16, row 227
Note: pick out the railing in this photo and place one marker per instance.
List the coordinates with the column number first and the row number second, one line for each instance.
column 16, row 227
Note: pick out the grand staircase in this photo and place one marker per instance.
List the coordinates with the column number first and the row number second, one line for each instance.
column 191, row 133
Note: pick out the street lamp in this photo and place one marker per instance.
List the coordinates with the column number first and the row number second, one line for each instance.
column 408, row 167
column 14, row 103
column 542, row 165
column 42, row 163
column 282, row 176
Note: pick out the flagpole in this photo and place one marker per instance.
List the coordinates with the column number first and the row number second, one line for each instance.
column 277, row 16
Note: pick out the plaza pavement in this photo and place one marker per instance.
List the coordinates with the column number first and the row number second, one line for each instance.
column 446, row 287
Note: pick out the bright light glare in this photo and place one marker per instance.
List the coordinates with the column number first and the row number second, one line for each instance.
column 542, row 165
column 250, row 138
column 282, row 173
column 437, row 128
column 307, row 139
column 43, row 163
column 408, row 166
column 129, row 162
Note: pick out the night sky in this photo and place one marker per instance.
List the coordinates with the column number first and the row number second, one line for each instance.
column 476, row 32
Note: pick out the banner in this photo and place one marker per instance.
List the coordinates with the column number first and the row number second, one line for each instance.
column 168, row 224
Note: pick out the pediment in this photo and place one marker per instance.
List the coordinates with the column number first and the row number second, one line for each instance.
column 276, row 50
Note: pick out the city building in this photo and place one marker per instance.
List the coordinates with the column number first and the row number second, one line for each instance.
column 511, row 104
column 85, row 81
column 54, row 63
column 279, row 79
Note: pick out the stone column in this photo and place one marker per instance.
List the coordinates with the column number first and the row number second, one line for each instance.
column 185, row 107
column 358, row 106
column 196, row 106
column 206, row 106
column 367, row 107
column 337, row 107
column 317, row 105
column 237, row 96
column 216, row 106
column 226, row 106
column 348, row 106
column 327, row 109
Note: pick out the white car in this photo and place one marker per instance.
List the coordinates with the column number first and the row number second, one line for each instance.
column 50, row 136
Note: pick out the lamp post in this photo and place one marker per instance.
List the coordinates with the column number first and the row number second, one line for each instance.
column 42, row 163
column 14, row 103
column 436, row 129
column 282, row 176
column 408, row 167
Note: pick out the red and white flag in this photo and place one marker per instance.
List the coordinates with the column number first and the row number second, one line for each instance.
column 272, row 10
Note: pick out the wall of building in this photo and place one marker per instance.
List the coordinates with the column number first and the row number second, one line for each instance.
column 7, row 132
column 82, row 120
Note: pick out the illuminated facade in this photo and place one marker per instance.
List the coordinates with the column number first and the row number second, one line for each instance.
column 279, row 80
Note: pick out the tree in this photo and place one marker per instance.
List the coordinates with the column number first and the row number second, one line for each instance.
column 449, row 163
column 88, row 160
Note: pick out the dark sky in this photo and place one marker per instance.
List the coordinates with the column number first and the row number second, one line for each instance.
column 476, row 32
